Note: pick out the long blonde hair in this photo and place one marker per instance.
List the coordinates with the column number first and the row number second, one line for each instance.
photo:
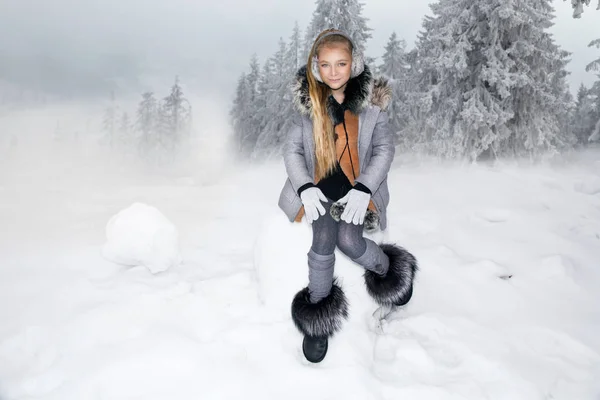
column 323, row 130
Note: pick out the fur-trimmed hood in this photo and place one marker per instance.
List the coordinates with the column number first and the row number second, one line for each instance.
column 360, row 92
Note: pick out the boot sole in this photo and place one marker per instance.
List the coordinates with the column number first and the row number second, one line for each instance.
column 317, row 360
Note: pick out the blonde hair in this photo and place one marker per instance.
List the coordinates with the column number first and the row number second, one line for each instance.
column 323, row 130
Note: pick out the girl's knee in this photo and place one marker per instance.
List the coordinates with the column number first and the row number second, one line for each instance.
column 351, row 242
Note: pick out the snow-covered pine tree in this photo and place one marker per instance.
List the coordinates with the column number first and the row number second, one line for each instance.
column 395, row 68
column 276, row 78
column 294, row 56
column 578, row 6
column 594, row 65
column 582, row 120
column 238, row 112
column 492, row 80
column 247, row 120
column 146, row 123
column 177, row 117
column 163, row 150
column 345, row 15
column 263, row 114
column 109, row 122
column 594, row 95
column 394, row 58
column 409, row 138
column 124, row 137
column 291, row 65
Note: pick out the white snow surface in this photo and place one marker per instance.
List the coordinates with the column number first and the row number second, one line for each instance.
column 506, row 303
column 141, row 235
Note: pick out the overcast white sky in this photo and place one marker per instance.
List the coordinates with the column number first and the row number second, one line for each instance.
column 72, row 46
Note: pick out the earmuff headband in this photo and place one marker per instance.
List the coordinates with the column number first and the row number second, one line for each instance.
column 358, row 62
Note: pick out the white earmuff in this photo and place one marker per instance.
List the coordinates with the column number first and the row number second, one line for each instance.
column 358, row 60
column 358, row 63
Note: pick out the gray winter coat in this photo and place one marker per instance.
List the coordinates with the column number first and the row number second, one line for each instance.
column 364, row 96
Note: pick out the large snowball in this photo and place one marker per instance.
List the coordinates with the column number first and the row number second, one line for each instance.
column 142, row 235
column 280, row 261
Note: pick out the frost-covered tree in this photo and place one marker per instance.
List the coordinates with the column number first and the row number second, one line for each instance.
column 394, row 58
column 110, row 121
column 491, row 80
column 239, row 111
column 125, row 132
column 245, row 113
column 583, row 120
column 345, row 15
column 165, row 132
column 176, row 116
column 262, row 114
column 273, row 90
column 594, row 95
column 278, row 100
column 294, row 55
column 594, row 65
column 395, row 69
column 578, row 6
column 146, row 123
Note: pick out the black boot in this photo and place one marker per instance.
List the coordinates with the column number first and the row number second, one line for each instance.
column 396, row 286
column 314, row 348
column 319, row 321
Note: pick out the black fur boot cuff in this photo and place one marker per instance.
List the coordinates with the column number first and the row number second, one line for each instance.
column 323, row 318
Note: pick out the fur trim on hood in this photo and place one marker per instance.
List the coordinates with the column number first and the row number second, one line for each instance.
column 360, row 92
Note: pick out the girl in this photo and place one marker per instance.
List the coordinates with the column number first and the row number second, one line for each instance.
column 337, row 157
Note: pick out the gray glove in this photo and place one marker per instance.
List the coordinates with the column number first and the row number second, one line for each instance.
column 356, row 206
column 311, row 199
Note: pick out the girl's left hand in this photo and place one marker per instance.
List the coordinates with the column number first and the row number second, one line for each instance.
column 356, row 206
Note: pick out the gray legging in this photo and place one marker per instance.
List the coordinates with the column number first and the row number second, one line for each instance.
column 327, row 233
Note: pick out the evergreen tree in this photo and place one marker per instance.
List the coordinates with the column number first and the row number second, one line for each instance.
column 239, row 111
column 395, row 68
column 125, row 140
column 277, row 100
column 578, row 7
column 176, row 117
column 594, row 95
column 263, row 114
column 146, row 123
column 251, row 115
column 345, row 15
column 109, row 122
column 594, row 65
column 583, row 122
column 394, row 59
column 294, row 55
column 491, row 80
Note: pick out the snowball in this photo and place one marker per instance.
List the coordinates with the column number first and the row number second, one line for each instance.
column 142, row 235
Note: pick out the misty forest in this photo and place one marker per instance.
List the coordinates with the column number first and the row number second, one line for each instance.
column 485, row 80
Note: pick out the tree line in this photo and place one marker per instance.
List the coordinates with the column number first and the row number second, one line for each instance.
column 485, row 79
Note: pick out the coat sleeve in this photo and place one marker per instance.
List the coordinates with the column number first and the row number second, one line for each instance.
column 294, row 156
column 382, row 155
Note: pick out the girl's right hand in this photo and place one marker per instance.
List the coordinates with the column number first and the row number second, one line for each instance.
column 311, row 199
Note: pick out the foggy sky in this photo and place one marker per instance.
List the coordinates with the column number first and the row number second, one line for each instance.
column 88, row 47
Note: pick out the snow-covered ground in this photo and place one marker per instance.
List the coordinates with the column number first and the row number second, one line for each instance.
column 506, row 305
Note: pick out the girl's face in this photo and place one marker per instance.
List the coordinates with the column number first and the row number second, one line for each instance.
column 335, row 65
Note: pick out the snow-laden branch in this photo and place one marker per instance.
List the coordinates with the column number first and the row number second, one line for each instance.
column 578, row 7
